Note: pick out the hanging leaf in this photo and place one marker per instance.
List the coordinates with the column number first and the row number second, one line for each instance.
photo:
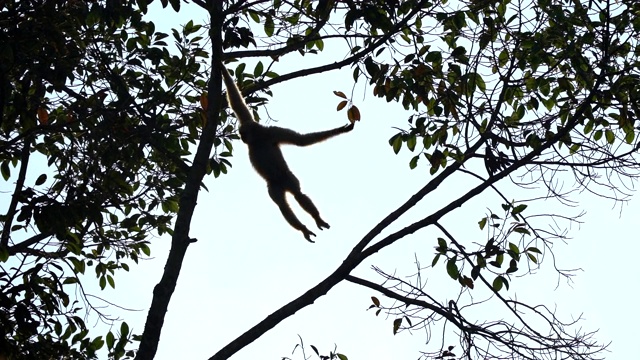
column 43, row 116
column 396, row 325
column 353, row 114
column 340, row 94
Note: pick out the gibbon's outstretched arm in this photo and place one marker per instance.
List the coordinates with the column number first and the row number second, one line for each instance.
column 268, row 160
column 287, row 136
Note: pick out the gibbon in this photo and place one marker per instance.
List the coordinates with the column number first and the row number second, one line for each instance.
column 266, row 157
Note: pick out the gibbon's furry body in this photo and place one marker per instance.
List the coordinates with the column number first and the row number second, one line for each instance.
column 266, row 156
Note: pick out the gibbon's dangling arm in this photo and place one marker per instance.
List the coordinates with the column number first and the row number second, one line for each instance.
column 236, row 101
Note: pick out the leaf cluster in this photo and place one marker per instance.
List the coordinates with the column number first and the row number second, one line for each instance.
column 98, row 115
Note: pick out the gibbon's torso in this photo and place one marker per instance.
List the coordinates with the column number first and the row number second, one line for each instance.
column 265, row 155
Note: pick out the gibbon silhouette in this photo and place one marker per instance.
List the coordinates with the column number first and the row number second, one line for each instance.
column 266, row 156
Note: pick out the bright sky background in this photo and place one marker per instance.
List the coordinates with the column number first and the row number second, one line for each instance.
column 248, row 261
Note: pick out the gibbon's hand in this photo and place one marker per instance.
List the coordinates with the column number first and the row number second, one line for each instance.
column 348, row 127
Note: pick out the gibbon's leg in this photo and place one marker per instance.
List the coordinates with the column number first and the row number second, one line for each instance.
column 306, row 203
column 293, row 185
column 277, row 194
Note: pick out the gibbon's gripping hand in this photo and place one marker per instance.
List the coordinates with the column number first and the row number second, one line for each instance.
column 348, row 127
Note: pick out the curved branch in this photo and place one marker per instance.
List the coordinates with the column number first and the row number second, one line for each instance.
column 421, row 303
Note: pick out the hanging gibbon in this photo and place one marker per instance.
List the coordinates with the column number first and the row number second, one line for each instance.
column 266, row 156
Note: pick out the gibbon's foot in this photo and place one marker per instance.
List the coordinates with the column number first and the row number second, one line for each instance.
column 322, row 224
column 307, row 235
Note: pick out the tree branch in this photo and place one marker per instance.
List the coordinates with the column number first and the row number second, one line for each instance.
column 11, row 212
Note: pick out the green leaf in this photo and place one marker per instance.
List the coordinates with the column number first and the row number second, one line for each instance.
column 411, row 142
column 498, row 261
column 145, row 249
column 257, row 71
column 433, row 57
column 597, row 135
column 520, row 112
column 442, row 245
column 41, row 179
column 97, row 343
column 414, row 162
column 480, row 82
column 505, row 282
column 503, row 57
column 588, row 127
column 610, row 136
column 574, row 148
column 475, row 272
column 629, row 137
column 269, row 26
column 371, row 68
column 534, row 249
column 124, row 330
column 513, row 247
column 397, row 144
column 254, row 16
column 435, row 260
column 4, row 169
column 175, row 4
column 481, row 261
column 396, row 325
column 110, row 340
column 497, row 283
column 78, row 266
column 452, row 269
column 518, row 209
